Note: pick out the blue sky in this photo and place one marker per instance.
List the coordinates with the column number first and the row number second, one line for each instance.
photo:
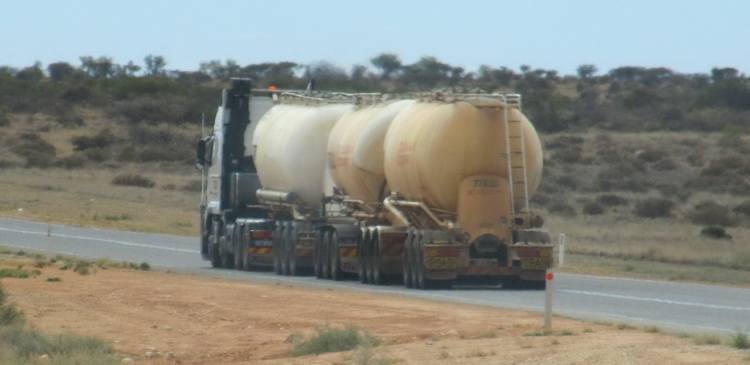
column 688, row 36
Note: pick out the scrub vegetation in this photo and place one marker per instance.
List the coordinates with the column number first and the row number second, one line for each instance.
column 645, row 168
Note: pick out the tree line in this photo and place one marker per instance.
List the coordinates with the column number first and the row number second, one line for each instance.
column 627, row 98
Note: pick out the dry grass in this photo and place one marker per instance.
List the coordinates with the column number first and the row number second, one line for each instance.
column 660, row 248
column 87, row 198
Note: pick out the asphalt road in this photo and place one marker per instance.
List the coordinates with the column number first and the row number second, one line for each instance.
column 671, row 306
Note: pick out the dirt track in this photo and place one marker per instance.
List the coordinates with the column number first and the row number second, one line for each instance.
column 160, row 318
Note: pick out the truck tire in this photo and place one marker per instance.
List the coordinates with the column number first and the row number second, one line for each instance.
column 325, row 255
column 335, row 256
column 239, row 256
column 376, row 276
column 364, row 258
column 278, row 249
column 227, row 258
column 317, row 254
column 406, row 258
column 213, row 244
column 290, row 239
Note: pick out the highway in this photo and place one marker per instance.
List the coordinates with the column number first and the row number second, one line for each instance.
column 671, row 306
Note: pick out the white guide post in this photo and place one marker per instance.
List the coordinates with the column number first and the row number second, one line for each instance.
column 561, row 250
column 548, row 300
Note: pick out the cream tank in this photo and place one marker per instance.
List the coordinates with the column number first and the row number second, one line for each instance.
column 431, row 147
column 289, row 149
column 355, row 150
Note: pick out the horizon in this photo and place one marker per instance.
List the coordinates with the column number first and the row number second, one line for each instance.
column 686, row 37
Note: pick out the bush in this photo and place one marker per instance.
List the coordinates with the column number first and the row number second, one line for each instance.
column 330, row 339
column 739, row 341
column 650, row 155
column 9, row 314
column 710, row 213
column 562, row 208
column 593, row 208
column 611, row 200
column 196, row 186
column 133, row 180
column 743, row 208
column 103, row 139
column 37, row 151
column 715, row 232
column 654, row 208
column 570, row 154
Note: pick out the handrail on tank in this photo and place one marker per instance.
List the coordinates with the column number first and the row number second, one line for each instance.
column 392, row 201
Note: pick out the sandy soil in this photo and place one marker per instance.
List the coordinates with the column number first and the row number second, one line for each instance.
column 162, row 318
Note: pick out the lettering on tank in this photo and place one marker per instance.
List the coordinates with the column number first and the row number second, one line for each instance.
column 405, row 152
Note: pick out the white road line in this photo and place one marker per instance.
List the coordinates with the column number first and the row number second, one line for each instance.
column 124, row 243
column 656, row 300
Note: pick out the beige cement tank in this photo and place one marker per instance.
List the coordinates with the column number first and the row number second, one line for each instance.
column 355, row 150
column 430, row 148
column 289, row 146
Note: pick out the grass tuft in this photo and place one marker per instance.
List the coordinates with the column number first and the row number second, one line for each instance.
column 739, row 340
column 328, row 339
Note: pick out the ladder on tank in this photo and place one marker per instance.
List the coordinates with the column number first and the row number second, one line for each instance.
column 516, row 151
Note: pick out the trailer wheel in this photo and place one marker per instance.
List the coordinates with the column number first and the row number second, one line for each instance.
column 375, row 274
column 291, row 250
column 325, row 255
column 318, row 254
column 362, row 255
column 278, row 248
column 406, row 260
column 335, row 255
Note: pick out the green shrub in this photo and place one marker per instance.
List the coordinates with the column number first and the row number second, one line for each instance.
column 193, row 186
column 9, row 314
column 14, row 273
column 654, row 208
column 133, row 180
column 329, row 339
column 739, row 340
column 611, row 200
column 710, row 213
column 103, row 139
column 37, row 151
column 715, row 232
column 562, row 208
column 593, row 208
column 743, row 208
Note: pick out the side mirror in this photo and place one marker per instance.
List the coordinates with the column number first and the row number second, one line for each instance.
column 200, row 154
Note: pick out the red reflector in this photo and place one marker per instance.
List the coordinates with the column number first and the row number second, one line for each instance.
column 447, row 253
column 529, row 253
column 262, row 235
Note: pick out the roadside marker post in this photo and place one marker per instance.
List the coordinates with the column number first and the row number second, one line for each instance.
column 561, row 250
column 548, row 299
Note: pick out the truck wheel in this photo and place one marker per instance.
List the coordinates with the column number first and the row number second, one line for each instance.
column 362, row 256
column 406, row 260
column 291, row 250
column 278, row 249
column 227, row 259
column 318, row 254
column 239, row 256
column 376, row 275
column 213, row 244
column 325, row 256
column 335, row 255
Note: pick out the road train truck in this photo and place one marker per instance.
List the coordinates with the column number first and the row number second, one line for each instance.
column 429, row 189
